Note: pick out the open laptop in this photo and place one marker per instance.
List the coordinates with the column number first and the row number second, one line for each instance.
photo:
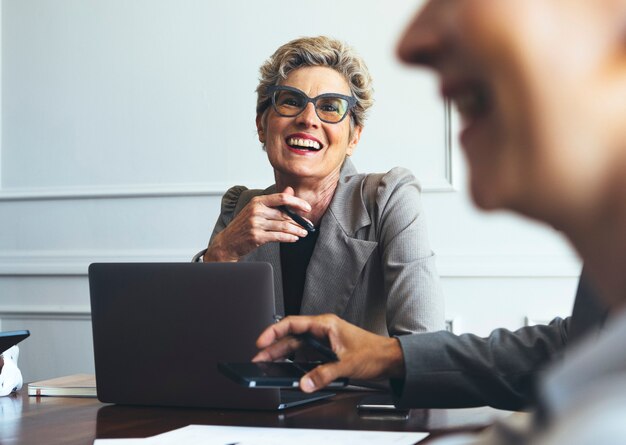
column 159, row 330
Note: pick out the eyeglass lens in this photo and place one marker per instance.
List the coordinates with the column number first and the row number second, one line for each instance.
column 328, row 108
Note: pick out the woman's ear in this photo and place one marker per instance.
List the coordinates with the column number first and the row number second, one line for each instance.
column 354, row 140
column 259, row 128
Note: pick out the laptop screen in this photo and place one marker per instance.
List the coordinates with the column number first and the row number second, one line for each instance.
column 159, row 330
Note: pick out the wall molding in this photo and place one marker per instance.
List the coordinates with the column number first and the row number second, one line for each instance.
column 444, row 184
column 171, row 190
column 44, row 312
column 447, row 123
column 154, row 191
column 75, row 263
column 115, row 192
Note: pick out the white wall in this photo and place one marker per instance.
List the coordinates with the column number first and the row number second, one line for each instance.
column 123, row 122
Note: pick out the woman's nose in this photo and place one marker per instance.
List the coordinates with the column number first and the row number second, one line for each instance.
column 308, row 117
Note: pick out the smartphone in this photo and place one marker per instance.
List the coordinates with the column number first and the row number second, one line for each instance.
column 10, row 338
column 271, row 374
column 381, row 403
column 324, row 350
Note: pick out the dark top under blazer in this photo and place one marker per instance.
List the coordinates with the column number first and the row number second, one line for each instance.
column 372, row 264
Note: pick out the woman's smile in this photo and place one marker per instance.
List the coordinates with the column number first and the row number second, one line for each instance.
column 303, row 143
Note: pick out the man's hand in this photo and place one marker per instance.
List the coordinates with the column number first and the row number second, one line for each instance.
column 362, row 355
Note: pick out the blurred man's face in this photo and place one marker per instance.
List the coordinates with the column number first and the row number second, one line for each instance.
column 534, row 83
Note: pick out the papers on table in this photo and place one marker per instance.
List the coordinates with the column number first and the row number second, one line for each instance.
column 240, row 435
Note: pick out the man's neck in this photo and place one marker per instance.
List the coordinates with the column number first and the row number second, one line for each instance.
column 601, row 241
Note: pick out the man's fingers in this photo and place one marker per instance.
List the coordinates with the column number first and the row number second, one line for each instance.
column 275, row 341
column 278, row 350
column 267, row 337
column 294, row 324
column 320, row 377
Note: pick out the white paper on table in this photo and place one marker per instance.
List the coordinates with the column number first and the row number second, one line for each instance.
column 241, row 435
column 457, row 439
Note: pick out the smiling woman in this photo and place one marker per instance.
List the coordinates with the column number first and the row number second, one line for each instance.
column 368, row 259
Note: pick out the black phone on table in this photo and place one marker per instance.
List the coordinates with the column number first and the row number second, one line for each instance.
column 11, row 338
column 271, row 374
column 382, row 403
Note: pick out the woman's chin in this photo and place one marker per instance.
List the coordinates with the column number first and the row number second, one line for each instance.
column 295, row 173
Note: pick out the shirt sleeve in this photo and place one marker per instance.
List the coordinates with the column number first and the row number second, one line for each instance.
column 227, row 212
column 443, row 370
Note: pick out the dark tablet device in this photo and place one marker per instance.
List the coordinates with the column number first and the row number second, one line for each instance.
column 10, row 338
column 271, row 374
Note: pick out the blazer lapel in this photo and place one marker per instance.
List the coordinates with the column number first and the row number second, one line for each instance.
column 338, row 258
column 334, row 270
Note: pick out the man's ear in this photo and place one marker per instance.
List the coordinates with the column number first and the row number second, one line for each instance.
column 259, row 128
column 354, row 140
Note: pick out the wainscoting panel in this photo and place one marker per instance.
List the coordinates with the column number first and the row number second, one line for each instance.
column 60, row 342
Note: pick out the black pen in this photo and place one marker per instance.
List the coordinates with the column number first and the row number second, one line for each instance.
column 307, row 225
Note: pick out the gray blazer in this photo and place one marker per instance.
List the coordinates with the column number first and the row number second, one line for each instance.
column 372, row 264
column 449, row 371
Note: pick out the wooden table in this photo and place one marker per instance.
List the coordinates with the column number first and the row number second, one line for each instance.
column 66, row 420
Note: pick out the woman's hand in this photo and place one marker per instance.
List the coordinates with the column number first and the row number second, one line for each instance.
column 362, row 355
column 258, row 223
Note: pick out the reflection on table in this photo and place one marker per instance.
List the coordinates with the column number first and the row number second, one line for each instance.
column 65, row 420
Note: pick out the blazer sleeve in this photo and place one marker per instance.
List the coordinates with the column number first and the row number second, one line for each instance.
column 446, row 370
column 415, row 300
column 227, row 212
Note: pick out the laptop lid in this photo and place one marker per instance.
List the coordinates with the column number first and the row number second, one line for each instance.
column 159, row 330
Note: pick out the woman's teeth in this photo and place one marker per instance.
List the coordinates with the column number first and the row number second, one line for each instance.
column 304, row 143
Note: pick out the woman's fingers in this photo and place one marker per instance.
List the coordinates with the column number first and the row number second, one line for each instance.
column 259, row 223
column 276, row 207
column 286, row 199
column 274, row 223
column 265, row 224
column 283, row 226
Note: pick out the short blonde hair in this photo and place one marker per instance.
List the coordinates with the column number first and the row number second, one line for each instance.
column 318, row 51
